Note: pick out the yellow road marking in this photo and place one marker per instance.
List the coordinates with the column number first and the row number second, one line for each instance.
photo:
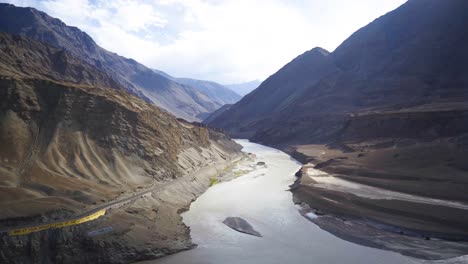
column 28, row 230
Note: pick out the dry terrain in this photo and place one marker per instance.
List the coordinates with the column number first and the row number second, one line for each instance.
column 389, row 197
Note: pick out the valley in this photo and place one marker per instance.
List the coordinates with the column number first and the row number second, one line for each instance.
column 355, row 154
column 383, row 118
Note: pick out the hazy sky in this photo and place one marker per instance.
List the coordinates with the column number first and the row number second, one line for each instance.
column 227, row 41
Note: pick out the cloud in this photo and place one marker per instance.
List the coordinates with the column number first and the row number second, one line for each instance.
column 221, row 40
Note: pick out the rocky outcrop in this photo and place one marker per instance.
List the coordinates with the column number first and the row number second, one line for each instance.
column 241, row 225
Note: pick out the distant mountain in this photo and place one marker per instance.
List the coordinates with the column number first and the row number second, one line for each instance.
column 182, row 100
column 244, row 88
column 217, row 92
column 413, row 59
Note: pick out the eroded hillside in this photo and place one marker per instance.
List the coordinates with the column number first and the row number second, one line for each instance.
column 69, row 143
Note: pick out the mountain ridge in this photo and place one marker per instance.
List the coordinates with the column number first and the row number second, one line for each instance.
column 182, row 100
column 361, row 76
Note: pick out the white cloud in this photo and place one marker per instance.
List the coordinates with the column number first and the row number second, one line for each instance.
column 221, row 40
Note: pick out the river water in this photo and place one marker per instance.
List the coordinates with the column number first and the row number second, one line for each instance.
column 261, row 198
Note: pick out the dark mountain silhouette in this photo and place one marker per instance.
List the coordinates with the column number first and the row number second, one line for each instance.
column 409, row 63
column 216, row 113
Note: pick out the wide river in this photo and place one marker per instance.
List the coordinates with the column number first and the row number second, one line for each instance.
column 261, row 198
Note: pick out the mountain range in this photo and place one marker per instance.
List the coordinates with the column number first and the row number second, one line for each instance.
column 183, row 100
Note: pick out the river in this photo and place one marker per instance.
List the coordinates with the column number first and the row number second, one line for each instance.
column 261, row 198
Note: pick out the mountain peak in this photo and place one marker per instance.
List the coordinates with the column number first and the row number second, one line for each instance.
column 413, row 55
column 318, row 50
column 315, row 55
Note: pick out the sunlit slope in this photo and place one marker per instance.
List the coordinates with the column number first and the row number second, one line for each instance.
column 68, row 140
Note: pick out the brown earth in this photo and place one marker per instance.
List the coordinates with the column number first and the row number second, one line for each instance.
column 417, row 229
column 69, row 143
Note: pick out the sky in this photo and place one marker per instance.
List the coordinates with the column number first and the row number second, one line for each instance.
column 227, row 41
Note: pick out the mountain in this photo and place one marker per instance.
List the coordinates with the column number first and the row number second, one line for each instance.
column 218, row 93
column 181, row 100
column 216, row 113
column 388, row 109
column 72, row 140
column 276, row 92
column 244, row 88
column 215, row 91
column 25, row 57
column 411, row 60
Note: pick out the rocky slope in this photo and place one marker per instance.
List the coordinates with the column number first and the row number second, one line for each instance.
column 25, row 57
column 181, row 100
column 70, row 142
column 386, row 109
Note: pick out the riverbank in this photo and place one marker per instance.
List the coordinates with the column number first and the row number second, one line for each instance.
column 387, row 198
column 262, row 198
column 148, row 227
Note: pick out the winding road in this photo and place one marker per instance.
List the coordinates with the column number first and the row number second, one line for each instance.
column 27, row 229
column 94, row 213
